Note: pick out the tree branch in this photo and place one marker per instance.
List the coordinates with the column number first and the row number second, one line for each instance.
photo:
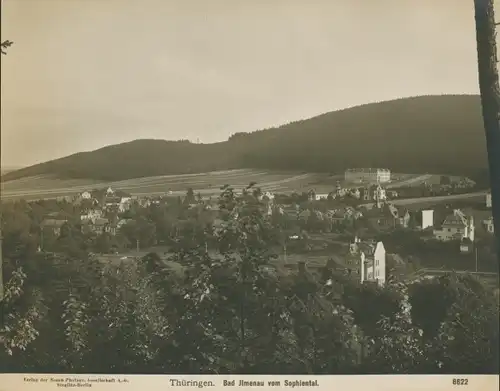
column 5, row 45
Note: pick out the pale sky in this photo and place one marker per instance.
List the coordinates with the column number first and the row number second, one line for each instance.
column 83, row 74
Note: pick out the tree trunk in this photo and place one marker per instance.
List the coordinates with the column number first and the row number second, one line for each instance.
column 1, row 267
column 490, row 99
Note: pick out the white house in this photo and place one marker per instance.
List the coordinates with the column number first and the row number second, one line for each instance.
column 488, row 199
column 427, row 218
column 125, row 204
column 322, row 196
column 456, row 226
column 466, row 246
column 356, row 193
column 489, row 226
column 91, row 215
column 370, row 258
column 275, row 210
column 122, row 222
column 268, row 195
column 86, row 195
column 379, row 195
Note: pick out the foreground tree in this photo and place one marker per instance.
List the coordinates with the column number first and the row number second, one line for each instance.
column 490, row 97
column 230, row 308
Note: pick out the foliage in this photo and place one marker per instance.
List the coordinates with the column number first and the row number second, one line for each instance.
column 21, row 312
column 220, row 303
column 4, row 45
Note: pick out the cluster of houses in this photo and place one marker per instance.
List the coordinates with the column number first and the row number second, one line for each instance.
column 385, row 216
column 109, row 200
column 365, row 193
column 365, row 260
column 99, row 212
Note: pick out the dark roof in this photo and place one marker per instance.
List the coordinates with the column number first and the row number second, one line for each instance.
column 457, row 219
column 114, row 200
column 367, row 248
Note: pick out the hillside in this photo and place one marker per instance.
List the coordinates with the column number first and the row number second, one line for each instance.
column 435, row 134
column 4, row 170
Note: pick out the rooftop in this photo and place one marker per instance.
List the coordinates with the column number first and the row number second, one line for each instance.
column 368, row 170
column 458, row 218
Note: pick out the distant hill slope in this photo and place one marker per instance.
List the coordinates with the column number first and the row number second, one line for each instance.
column 434, row 134
column 5, row 169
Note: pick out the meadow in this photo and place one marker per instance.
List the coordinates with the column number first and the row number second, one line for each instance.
column 204, row 183
column 207, row 184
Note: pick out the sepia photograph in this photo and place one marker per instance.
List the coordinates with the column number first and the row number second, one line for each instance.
column 231, row 187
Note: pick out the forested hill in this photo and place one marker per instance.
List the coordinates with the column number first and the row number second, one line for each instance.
column 435, row 134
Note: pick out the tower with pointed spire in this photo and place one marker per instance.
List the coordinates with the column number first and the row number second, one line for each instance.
column 380, row 195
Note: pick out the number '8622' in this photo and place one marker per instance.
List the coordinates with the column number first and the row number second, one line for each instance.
column 460, row 382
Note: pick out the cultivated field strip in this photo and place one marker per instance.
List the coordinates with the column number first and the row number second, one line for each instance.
column 411, row 181
column 205, row 184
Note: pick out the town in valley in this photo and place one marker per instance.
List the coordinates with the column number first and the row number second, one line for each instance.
column 368, row 232
column 239, row 188
column 416, row 224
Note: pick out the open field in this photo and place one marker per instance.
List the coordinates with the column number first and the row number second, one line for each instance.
column 425, row 202
column 205, row 183
column 410, row 180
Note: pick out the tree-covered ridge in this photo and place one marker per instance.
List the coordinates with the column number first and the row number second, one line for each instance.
column 229, row 310
column 435, row 134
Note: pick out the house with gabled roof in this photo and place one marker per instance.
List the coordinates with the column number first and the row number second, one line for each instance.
column 388, row 216
column 112, row 203
column 489, row 226
column 86, row 195
column 488, row 199
column 91, row 215
column 336, row 216
column 54, row 225
column 304, row 215
column 99, row 226
column 355, row 193
column 456, row 226
column 368, row 260
column 125, row 204
column 123, row 222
